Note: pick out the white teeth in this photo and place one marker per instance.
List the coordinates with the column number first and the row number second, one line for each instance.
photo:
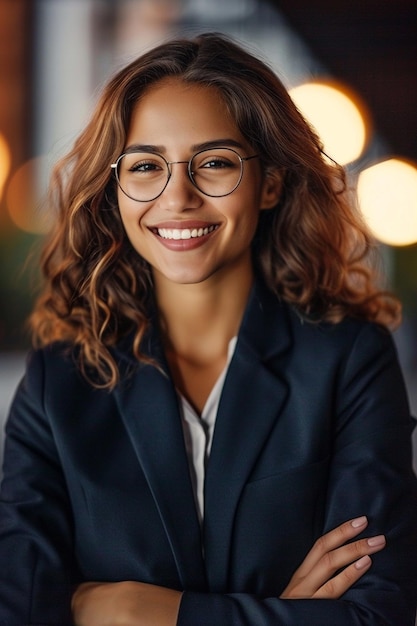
column 185, row 233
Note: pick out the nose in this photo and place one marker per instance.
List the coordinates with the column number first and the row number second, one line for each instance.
column 180, row 193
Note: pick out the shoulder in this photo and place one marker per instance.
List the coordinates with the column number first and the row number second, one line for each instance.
column 344, row 337
column 357, row 352
column 309, row 332
column 54, row 395
column 355, row 364
column 277, row 327
column 57, row 360
column 51, row 375
column 362, row 357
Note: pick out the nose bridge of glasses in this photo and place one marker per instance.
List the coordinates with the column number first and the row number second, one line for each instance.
column 189, row 172
column 183, row 162
column 175, row 162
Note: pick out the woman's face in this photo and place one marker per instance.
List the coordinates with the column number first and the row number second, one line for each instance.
column 212, row 234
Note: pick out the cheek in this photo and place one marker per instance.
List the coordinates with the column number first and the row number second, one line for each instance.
column 245, row 212
column 130, row 213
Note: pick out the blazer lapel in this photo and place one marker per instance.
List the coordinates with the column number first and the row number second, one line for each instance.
column 249, row 407
column 149, row 408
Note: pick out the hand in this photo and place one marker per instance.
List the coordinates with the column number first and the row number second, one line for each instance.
column 124, row 604
column 331, row 553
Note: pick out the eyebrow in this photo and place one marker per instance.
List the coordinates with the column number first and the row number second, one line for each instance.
column 215, row 143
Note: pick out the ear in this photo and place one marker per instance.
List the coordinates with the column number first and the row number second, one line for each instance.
column 271, row 189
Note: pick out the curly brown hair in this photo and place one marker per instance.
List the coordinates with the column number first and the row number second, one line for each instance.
column 312, row 249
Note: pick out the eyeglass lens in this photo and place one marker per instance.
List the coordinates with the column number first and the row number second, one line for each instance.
column 143, row 175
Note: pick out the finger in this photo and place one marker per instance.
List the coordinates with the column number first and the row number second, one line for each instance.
column 337, row 559
column 333, row 588
column 337, row 586
column 330, row 541
column 351, row 552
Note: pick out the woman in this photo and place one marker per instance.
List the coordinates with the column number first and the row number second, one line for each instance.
column 214, row 428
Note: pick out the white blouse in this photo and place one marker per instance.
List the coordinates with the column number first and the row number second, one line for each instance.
column 198, row 433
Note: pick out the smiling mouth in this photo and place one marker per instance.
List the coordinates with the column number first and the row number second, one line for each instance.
column 184, row 233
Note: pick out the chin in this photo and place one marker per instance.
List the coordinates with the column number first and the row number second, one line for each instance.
column 186, row 279
column 185, row 276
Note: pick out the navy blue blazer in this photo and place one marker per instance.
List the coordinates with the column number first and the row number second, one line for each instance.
column 313, row 429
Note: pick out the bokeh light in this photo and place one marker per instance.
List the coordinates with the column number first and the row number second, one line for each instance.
column 387, row 195
column 26, row 196
column 337, row 115
column 5, row 161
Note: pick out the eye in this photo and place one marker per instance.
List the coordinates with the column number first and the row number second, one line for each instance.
column 217, row 160
column 145, row 167
column 142, row 164
column 216, row 163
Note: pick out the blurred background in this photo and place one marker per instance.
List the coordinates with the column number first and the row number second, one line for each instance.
column 351, row 67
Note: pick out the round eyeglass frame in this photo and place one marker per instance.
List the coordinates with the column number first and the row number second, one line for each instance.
column 242, row 159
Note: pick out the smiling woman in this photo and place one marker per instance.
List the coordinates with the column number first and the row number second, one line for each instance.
column 213, row 374
column 215, row 193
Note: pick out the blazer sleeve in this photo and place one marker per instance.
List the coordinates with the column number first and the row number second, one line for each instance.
column 371, row 473
column 37, row 569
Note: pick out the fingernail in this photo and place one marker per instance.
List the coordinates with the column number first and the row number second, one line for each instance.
column 359, row 521
column 363, row 562
column 373, row 542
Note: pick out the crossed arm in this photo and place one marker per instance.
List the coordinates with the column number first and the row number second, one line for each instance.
column 140, row 604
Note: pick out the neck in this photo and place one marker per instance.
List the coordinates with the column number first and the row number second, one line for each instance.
column 199, row 320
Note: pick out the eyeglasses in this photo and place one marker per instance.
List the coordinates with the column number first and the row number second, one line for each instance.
column 143, row 176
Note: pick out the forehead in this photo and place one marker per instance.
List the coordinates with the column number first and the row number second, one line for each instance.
column 174, row 112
